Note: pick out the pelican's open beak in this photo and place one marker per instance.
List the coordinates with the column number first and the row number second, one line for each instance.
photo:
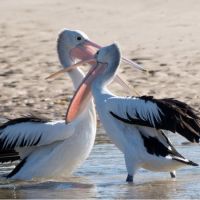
column 87, row 49
column 83, row 93
column 60, row 72
column 84, row 51
column 92, row 61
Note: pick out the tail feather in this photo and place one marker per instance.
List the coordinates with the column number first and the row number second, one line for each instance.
column 192, row 163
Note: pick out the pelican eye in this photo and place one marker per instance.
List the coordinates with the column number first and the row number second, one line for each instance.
column 78, row 38
column 97, row 52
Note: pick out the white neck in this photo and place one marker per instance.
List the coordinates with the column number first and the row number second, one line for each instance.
column 100, row 93
column 99, row 85
column 76, row 75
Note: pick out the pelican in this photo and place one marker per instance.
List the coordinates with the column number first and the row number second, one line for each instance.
column 136, row 125
column 52, row 148
column 48, row 149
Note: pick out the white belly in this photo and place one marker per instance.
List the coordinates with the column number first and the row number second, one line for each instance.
column 61, row 158
column 128, row 139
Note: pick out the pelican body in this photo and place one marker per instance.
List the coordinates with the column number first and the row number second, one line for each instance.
column 44, row 148
column 137, row 125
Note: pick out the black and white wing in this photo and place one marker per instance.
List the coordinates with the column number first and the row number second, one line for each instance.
column 157, row 143
column 30, row 132
column 167, row 114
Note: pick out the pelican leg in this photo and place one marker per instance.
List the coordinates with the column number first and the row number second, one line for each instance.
column 131, row 168
column 173, row 174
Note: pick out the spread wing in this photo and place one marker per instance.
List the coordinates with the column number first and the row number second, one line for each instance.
column 166, row 114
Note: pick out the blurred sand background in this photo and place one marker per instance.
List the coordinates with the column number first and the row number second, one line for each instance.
column 162, row 35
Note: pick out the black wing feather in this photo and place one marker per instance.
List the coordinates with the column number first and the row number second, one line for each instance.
column 154, row 146
column 28, row 118
column 175, row 116
column 17, row 168
column 179, row 117
column 7, row 151
column 8, row 156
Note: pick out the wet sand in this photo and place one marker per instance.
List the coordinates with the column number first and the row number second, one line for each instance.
column 161, row 35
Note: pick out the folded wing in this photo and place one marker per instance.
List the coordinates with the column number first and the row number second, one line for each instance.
column 166, row 114
column 30, row 131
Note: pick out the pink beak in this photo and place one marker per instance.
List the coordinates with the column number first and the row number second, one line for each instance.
column 83, row 93
column 88, row 49
column 85, row 51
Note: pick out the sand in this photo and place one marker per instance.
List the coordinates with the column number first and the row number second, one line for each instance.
column 164, row 36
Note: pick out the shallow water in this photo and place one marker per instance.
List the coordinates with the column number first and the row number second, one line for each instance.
column 103, row 176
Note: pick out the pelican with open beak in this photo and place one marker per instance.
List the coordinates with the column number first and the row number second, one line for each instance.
column 136, row 125
column 53, row 148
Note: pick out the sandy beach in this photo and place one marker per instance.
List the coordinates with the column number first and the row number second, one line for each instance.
column 161, row 35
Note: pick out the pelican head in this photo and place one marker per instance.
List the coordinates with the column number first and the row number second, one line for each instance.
column 71, row 38
column 108, row 59
column 74, row 44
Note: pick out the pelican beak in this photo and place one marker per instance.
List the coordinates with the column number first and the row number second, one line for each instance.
column 125, row 60
column 83, row 93
column 134, row 64
column 60, row 72
column 125, row 85
column 87, row 50
column 92, row 61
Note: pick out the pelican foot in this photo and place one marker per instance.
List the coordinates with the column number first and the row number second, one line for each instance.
column 173, row 174
column 129, row 179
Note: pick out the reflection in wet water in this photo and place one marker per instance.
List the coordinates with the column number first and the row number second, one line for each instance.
column 48, row 189
column 103, row 176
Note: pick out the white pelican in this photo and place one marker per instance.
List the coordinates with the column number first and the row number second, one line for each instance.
column 136, row 125
column 53, row 148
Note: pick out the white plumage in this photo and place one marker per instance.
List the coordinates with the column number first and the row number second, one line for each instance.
column 136, row 107
column 40, row 133
column 137, row 125
column 52, row 148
